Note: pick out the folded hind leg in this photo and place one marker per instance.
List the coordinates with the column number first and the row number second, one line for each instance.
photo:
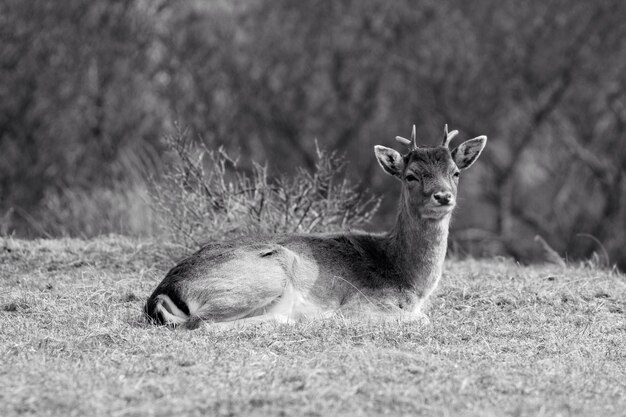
column 242, row 287
column 235, row 317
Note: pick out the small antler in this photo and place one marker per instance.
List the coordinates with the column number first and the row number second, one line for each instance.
column 407, row 142
column 447, row 137
column 403, row 141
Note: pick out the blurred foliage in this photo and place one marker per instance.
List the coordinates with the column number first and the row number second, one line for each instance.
column 84, row 83
column 75, row 97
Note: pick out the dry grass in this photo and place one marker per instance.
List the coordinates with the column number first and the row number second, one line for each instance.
column 504, row 340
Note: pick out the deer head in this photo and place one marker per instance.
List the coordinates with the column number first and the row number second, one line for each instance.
column 429, row 175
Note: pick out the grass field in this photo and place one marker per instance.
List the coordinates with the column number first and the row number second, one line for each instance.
column 504, row 340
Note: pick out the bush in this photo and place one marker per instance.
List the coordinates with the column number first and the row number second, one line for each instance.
column 206, row 195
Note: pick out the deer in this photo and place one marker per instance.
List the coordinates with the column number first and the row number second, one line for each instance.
column 295, row 276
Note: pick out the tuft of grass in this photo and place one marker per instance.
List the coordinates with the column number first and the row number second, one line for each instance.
column 504, row 340
column 205, row 194
column 119, row 208
column 119, row 205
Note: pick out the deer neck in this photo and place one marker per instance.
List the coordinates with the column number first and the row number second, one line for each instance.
column 418, row 247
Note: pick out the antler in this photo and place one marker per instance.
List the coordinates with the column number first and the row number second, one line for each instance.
column 412, row 144
column 407, row 142
column 447, row 137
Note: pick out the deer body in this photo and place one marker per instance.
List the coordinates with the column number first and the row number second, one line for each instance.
column 288, row 277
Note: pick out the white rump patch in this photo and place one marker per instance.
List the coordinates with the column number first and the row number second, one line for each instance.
column 169, row 311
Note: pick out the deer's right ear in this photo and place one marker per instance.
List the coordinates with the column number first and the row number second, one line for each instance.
column 390, row 159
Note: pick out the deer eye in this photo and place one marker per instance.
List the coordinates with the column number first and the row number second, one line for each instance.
column 456, row 174
column 411, row 177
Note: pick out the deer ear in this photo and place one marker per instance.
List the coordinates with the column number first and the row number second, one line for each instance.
column 390, row 159
column 466, row 153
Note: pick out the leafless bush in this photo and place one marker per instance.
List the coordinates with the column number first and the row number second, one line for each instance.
column 205, row 194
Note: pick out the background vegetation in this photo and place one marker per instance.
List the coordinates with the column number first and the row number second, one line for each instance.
column 89, row 89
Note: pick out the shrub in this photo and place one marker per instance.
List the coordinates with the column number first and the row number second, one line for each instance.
column 205, row 194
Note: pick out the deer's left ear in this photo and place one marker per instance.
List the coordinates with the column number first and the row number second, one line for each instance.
column 466, row 153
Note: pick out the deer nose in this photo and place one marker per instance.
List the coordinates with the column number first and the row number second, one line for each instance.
column 443, row 197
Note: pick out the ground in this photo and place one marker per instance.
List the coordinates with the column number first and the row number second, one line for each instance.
column 504, row 339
